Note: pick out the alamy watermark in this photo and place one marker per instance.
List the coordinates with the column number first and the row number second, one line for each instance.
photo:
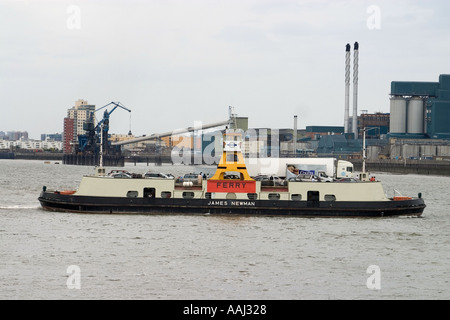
column 73, row 21
column 74, row 278
column 374, row 280
column 374, row 18
column 203, row 147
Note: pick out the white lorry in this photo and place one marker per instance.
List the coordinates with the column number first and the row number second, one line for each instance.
column 327, row 169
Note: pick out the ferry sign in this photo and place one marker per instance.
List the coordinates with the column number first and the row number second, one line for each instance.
column 236, row 186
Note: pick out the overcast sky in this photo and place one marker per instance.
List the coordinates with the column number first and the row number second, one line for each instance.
column 177, row 62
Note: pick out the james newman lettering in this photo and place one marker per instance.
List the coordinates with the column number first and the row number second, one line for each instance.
column 232, row 203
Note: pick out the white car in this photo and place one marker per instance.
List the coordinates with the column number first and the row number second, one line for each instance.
column 305, row 178
column 115, row 172
column 268, row 180
column 121, row 175
column 153, row 175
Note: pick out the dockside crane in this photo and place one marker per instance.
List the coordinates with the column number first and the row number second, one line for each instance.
column 96, row 135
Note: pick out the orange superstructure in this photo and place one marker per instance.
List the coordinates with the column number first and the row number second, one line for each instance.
column 231, row 174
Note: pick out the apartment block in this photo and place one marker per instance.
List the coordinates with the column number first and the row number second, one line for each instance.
column 82, row 112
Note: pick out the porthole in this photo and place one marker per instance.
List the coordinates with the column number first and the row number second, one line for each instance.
column 188, row 195
column 252, row 196
column 132, row 194
column 231, row 196
column 166, row 194
column 296, row 197
column 274, row 196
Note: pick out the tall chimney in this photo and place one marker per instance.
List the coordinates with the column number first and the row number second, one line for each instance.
column 355, row 90
column 347, row 87
column 294, row 137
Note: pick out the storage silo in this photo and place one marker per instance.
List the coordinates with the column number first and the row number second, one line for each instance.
column 398, row 115
column 415, row 115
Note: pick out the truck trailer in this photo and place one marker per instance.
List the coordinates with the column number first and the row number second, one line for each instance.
column 326, row 169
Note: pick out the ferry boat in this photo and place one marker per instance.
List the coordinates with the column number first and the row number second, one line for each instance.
column 230, row 191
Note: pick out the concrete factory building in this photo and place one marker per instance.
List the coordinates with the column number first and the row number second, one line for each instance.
column 420, row 109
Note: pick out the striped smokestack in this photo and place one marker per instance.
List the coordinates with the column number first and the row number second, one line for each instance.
column 355, row 91
column 347, row 87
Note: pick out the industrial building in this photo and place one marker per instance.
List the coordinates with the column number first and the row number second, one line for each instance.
column 417, row 127
column 420, row 109
column 378, row 121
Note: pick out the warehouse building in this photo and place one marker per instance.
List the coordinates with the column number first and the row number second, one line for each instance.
column 420, row 109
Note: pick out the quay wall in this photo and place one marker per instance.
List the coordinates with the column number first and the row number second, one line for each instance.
column 93, row 160
column 45, row 156
column 6, row 155
column 426, row 167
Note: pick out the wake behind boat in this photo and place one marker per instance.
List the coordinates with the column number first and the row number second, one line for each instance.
column 230, row 191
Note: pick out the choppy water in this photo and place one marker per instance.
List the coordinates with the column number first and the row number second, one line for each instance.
column 215, row 257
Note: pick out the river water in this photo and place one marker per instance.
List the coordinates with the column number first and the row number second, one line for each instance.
column 53, row 255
